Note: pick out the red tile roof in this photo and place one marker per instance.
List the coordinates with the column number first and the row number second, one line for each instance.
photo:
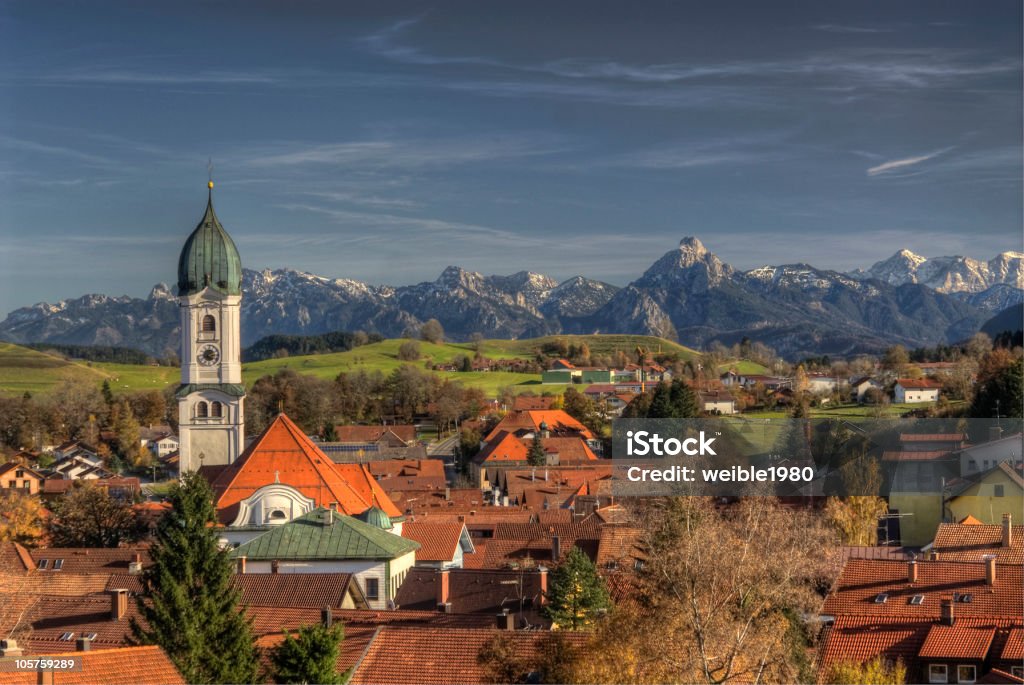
column 864, row 579
column 558, row 421
column 147, row 665
column 404, row 432
column 1013, row 650
column 295, row 590
column 932, row 437
column 957, row 642
column 532, row 402
column 91, row 559
column 919, row 455
column 439, row 656
column 14, row 558
column 439, row 541
column 974, row 541
column 919, row 384
column 284, row 453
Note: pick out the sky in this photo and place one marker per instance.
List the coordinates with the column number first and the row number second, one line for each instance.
column 385, row 141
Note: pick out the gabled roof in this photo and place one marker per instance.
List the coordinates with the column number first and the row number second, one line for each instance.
column 533, row 402
column 294, row 590
column 404, row 433
column 283, row 453
column 438, row 541
column 957, row 642
column 919, row 384
column 12, row 465
column 974, row 541
column 90, row 559
column 148, row 665
column 325, row 535
column 471, row 590
column 862, row 580
column 558, row 421
column 962, row 485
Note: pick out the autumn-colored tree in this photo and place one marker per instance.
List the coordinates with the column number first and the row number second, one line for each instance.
column 722, row 595
column 129, row 441
column 895, row 359
column 88, row 516
column 877, row 671
column 855, row 515
column 21, row 518
column 432, row 331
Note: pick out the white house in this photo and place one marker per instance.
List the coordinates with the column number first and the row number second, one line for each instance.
column 860, row 386
column 324, row 541
column 916, row 390
column 717, row 403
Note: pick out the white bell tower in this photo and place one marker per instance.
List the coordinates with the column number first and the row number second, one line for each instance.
column 211, row 411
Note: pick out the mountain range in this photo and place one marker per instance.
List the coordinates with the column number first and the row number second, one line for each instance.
column 688, row 294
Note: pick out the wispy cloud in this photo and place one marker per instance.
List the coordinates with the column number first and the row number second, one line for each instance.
column 110, row 76
column 26, row 145
column 846, row 28
column 899, row 164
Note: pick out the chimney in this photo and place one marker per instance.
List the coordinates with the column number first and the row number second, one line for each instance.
column 241, row 564
column 118, row 604
column 82, row 644
column 325, row 617
column 933, row 555
column 135, row 565
column 275, row 566
column 45, row 676
column 447, row 494
column 9, row 647
column 506, row 621
column 912, row 571
column 545, row 474
column 329, row 517
column 1007, row 530
column 990, row 570
column 543, row 573
column 443, row 580
column 947, row 611
column 556, row 549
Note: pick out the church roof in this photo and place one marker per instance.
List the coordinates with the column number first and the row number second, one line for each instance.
column 283, row 453
column 323, row 534
column 209, row 258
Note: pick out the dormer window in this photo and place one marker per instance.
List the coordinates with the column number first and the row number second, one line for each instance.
column 277, row 515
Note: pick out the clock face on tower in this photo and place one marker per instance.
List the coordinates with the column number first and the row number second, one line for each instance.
column 208, row 355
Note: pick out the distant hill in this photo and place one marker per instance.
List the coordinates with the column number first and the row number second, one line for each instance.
column 1010, row 320
column 688, row 295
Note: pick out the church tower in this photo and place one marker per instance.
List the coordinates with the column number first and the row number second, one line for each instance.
column 211, row 422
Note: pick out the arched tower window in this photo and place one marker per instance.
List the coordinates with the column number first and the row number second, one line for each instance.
column 217, row 410
column 202, row 410
column 209, row 324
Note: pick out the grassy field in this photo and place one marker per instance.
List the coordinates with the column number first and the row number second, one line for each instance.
column 22, row 369
column 745, row 367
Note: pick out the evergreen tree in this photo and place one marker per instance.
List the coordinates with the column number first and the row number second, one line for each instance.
column 108, row 395
column 536, row 455
column 189, row 605
column 312, row 658
column 577, row 593
column 683, row 401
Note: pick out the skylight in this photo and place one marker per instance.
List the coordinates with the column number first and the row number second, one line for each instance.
column 917, row 600
column 881, row 598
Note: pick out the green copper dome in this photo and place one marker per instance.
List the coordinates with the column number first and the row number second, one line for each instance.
column 376, row 516
column 209, row 258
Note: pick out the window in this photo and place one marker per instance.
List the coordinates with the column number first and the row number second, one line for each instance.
column 66, row 637
column 90, row 636
column 937, row 673
column 881, row 598
column 1018, row 671
column 20, row 473
column 217, row 410
column 966, row 673
column 372, row 588
column 202, row 411
column 58, row 564
column 43, row 563
column 999, row 489
column 209, row 324
column 278, row 515
column 917, row 600
column 965, row 598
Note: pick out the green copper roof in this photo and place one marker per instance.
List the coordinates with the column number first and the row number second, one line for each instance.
column 314, row 536
column 209, row 258
column 375, row 516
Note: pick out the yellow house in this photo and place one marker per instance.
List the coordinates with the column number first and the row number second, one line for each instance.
column 988, row 496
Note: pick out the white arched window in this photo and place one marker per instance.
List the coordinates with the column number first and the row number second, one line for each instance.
column 202, row 410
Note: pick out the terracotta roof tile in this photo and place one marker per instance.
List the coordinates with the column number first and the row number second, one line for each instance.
column 90, row 559
column 147, row 665
column 295, row 590
column 558, row 421
column 439, row 541
column 957, row 642
column 1013, row 650
column 404, row 432
column 973, row 541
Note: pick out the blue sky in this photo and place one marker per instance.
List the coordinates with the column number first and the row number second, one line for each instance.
column 385, row 141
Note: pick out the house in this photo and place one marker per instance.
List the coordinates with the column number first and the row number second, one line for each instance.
column 971, row 540
column 477, row 591
column 859, row 388
column 124, row 489
column 717, row 403
column 987, row 496
column 821, row 383
column 16, row 476
column 441, row 545
column 978, row 458
column 533, row 402
column 325, row 541
column 159, row 440
column 394, row 435
column 507, row 450
column 949, row 622
column 557, row 421
column 747, row 381
column 298, row 590
column 283, row 475
column 916, row 390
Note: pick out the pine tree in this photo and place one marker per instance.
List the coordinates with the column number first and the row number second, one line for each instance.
column 536, row 455
column 312, row 658
column 683, row 401
column 577, row 593
column 189, row 604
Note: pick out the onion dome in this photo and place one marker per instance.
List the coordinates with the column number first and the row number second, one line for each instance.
column 376, row 516
column 209, row 258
